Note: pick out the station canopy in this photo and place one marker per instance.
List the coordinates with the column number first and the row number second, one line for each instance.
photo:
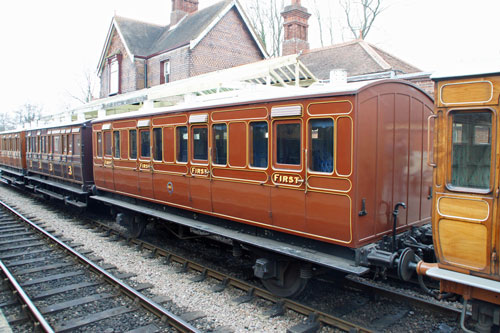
column 276, row 73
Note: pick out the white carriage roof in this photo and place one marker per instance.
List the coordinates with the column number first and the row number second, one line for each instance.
column 465, row 73
column 249, row 96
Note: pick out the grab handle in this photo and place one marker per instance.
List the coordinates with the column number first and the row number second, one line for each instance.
column 429, row 141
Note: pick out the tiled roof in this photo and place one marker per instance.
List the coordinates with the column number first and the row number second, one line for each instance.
column 145, row 39
column 357, row 58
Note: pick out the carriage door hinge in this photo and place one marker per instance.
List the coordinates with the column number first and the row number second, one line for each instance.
column 497, row 192
column 494, row 257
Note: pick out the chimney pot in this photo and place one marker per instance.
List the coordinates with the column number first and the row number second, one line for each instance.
column 181, row 8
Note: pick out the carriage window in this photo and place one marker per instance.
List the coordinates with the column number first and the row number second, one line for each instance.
column 182, row 145
column 157, row 145
column 258, row 144
column 132, row 143
column 288, row 143
column 321, row 145
column 145, row 143
column 78, row 144
column 116, row 144
column 471, row 149
column 107, row 143
column 200, row 143
column 220, row 143
column 70, row 144
column 99, row 144
column 57, row 144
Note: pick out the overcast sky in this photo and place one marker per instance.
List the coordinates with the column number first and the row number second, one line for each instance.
column 47, row 45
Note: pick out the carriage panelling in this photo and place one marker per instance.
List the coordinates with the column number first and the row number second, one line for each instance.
column 282, row 178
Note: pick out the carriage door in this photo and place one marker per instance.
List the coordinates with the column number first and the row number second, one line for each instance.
column 145, row 166
column 287, row 195
column 465, row 210
column 200, row 169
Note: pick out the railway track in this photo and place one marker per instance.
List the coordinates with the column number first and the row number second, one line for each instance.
column 49, row 285
column 315, row 318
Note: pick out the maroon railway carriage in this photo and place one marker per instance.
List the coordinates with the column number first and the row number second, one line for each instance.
column 13, row 157
column 59, row 162
column 317, row 171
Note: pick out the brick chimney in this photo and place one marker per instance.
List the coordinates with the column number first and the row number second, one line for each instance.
column 296, row 28
column 181, row 8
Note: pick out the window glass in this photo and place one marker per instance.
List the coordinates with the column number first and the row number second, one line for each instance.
column 321, row 145
column 114, row 76
column 258, row 144
column 78, row 144
column 220, row 143
column 107, row 143
column 57, row 144
column 288, row 143
column 70, row 144
column 471, row 149
column 145, row 144
column 200, row 143
column 99, row 144
column 132, row 143
column 166, row 71
column 157, row 145
column 182, row 143
column 116, row 144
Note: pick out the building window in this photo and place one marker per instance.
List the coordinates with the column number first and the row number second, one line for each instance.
column 165, row 71
column 114, row 75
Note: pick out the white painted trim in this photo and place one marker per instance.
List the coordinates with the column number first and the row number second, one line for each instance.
column 113, row 25
column 464, row 279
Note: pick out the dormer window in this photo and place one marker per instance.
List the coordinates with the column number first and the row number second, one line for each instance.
column 114, row 75
column 165, row 72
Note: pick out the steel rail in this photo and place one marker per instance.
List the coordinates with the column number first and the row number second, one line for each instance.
column 39, row 318
column 228, row 280
column 172, row 319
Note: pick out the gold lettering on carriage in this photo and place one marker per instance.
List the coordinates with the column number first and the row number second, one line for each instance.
column 145, row 165
column 197, row 171
column 286, row 179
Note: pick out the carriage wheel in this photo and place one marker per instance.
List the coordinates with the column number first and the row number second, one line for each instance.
column 289, row 283
column 137, row 226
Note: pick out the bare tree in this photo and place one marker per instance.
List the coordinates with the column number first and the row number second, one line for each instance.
column 87, row 84
column 28, row 114
column 360, row 15
column 6, row 123
column 266, row 19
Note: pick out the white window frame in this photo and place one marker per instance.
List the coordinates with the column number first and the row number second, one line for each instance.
column 114, row 76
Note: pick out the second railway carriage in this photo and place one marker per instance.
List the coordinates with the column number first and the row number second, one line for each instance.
column 13, row 157
column 465, row 209
column 59, row 162
column 318, row 175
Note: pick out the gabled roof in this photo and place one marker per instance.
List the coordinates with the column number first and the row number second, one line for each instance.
column 356, row 57
column 145, row 39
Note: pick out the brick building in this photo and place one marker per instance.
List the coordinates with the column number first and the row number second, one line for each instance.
column 139, row 55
